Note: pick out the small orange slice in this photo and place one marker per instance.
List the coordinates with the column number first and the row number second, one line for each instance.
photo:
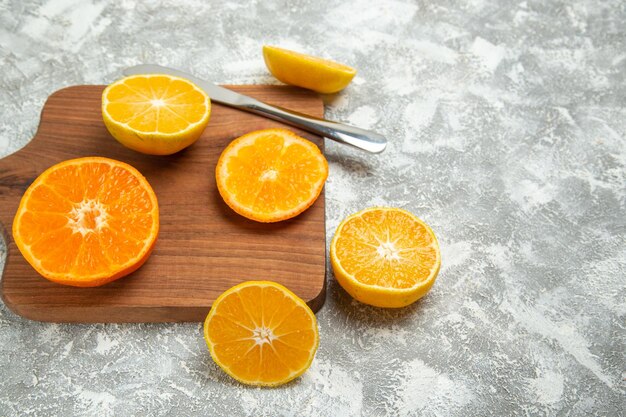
column 154, row 113
column 271, row 175
column 260, row 333
column 87, row 221
column 385, row 257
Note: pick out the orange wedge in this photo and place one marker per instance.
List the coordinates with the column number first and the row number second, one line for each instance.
column 155, row 114
column 260, row 333
column 271, row 175
column 87, row 221
column 307, row 71
column 385, row 257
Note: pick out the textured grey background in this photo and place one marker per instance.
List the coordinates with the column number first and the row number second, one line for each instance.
column 507, row 128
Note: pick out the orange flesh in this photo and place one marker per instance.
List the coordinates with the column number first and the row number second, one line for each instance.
column 259, row 335
column 86, row 221
column 155, row 104
column 387, row 249
column 271, row 175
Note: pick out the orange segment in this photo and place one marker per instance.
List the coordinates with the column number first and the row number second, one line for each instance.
column 385, row 257
column 307, row 71
column 260, row 333
column 271, row 175
column 155, row 114
column 87, row 221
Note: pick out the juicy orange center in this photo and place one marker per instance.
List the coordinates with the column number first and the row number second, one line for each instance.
column 269, row 175
column 262, row 335
column 388, row 251
column 88, row 216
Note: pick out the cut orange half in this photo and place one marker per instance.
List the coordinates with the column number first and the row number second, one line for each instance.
column 87, row 221
column 260, row 333
column 385, row 257
column 317, row 74
column 154, row 113
column 271, row 175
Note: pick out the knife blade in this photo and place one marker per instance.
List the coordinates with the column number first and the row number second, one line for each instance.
column 342, row 133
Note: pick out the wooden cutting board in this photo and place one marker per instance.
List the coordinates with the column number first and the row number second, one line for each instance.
column 203, row 247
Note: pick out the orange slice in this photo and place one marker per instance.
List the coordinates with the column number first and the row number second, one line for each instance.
column 87, row 221
column 385, row 257
column 260, row 333
column 155, row 114
column 271, row 175
column 307, row 71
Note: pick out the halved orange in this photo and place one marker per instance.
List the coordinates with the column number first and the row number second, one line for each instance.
column 260, row 333
column 271, row 175
column 87, row 221
column 385, row 257
column 155, row 113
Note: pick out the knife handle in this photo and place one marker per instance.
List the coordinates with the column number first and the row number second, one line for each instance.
column 359, row 138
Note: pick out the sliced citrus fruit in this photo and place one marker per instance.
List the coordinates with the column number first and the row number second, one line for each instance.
column 260, row 333
column 87, row 221
column 271, row 175
column 154, row 113
column 307, row 71
column 385, row 257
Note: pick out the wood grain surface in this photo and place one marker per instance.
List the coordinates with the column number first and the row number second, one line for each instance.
column 203, row 246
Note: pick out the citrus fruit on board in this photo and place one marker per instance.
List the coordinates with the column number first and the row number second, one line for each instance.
column 260, row 333
column 307, row 71
column 155, row 114
column 385, row 257
column 270, row 175
column 87, row 221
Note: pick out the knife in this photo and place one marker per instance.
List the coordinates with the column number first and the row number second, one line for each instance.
column 350, row 135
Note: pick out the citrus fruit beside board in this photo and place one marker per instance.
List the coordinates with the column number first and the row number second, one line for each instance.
column 307, row 71
column 271, row 175
column 260, row 333
column 385, row 257
column 155, row 114
column 87, row 221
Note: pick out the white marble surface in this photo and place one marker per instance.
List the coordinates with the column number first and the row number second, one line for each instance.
column 507, row 128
